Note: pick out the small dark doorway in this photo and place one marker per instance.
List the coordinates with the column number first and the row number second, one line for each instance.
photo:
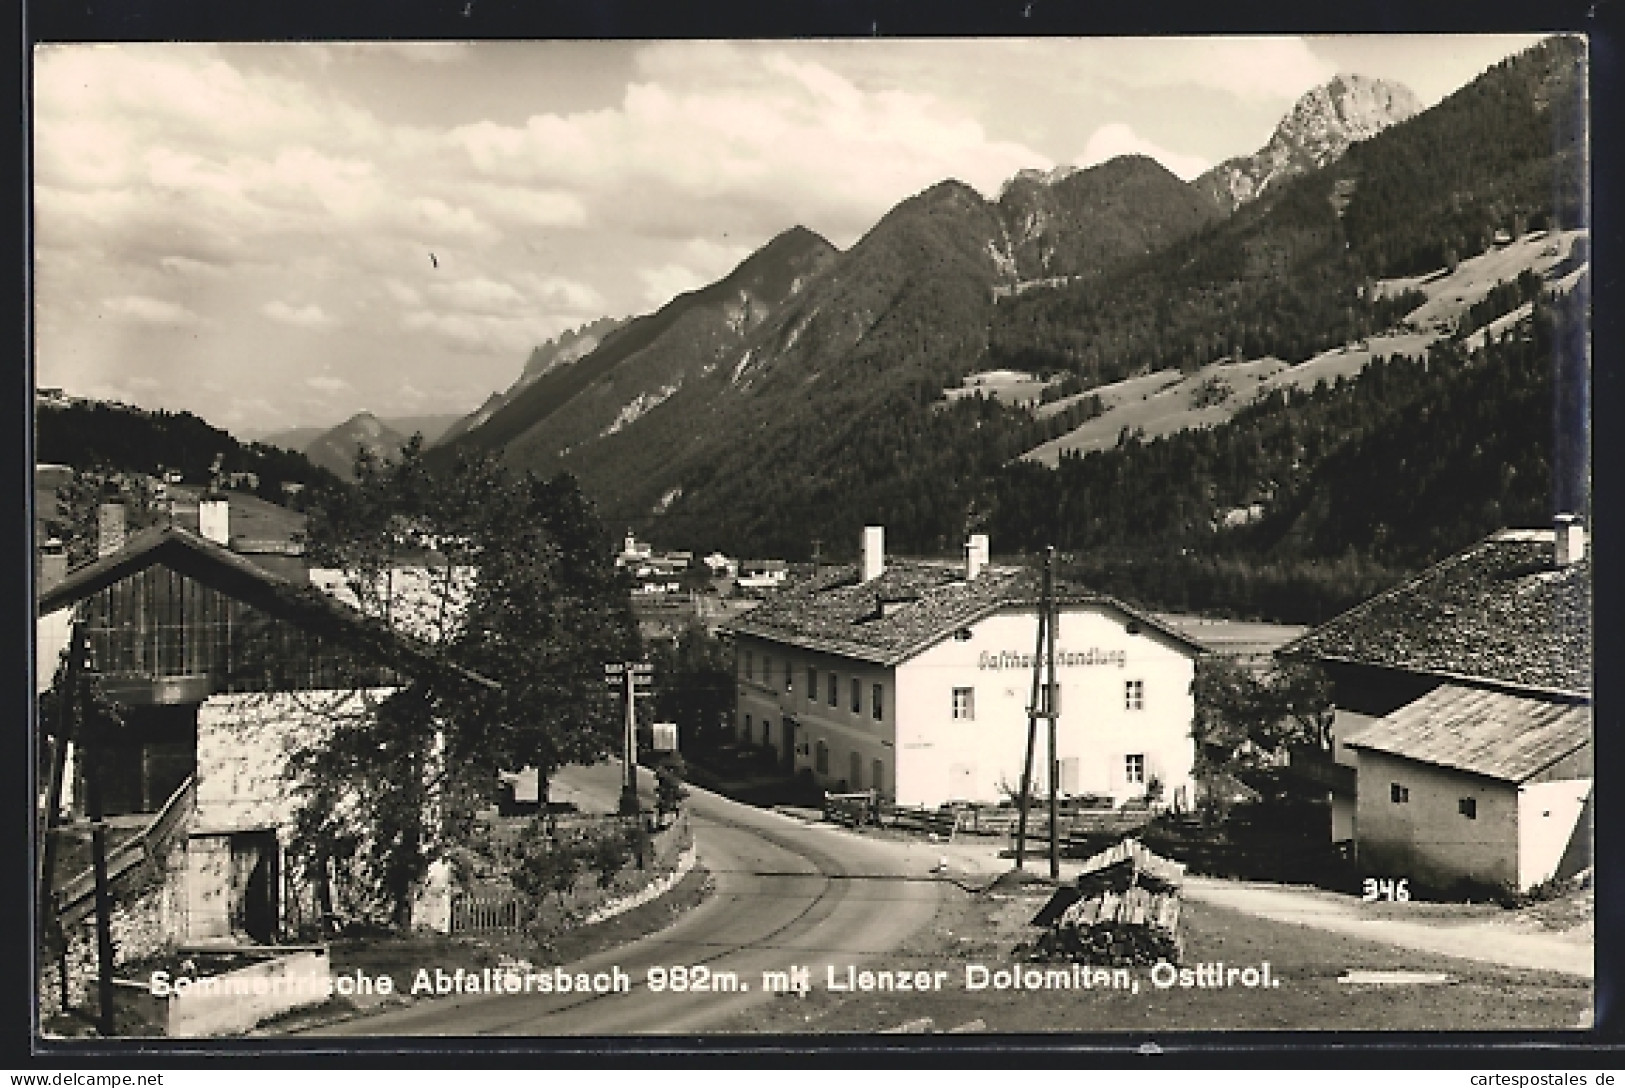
column 789, row 752
column 254, row 883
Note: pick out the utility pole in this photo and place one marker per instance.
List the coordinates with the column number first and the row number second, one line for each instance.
column 1052, row 711
column 1034, row 711
column 629, row 749
column 65, row 733
column 93, row 750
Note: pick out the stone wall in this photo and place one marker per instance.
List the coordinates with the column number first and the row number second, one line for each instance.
column 141, row 929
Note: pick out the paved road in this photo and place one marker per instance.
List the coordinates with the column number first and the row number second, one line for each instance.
column 787, row 894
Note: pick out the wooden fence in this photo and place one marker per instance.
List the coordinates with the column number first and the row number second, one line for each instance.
column 492, row 905
column 487, row 911
column 1084, row 831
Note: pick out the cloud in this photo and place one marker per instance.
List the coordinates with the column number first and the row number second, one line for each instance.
column 521, row 206
column 306, row 317
column 1110, row 141
column 427, row 52
column 151, row 311
column 562, row 293
column 188, row 266
column 1276, row 68
column 326, row 383
column 715, row 259
column 791, row 137
column 403, row 293
column 662, row 284
column 483, row 296
column 487, row 334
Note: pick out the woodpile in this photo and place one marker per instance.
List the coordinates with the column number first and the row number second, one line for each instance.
column 1122, row 912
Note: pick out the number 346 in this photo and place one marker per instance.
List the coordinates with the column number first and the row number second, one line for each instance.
column 1394, row 891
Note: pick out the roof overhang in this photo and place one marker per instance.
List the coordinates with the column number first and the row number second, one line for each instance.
column 227, row 573
column 893, row 658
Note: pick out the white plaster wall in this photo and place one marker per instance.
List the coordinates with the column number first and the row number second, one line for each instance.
column 1427, row 838
column 1344, row 822
column 1547, row 815
column 941, row 759
column 1347, row 725
column 243, row 743
column 415, row 596
column 50, row 640
column 842, row 730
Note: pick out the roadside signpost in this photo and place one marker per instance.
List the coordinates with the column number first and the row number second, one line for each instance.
column 634, row 679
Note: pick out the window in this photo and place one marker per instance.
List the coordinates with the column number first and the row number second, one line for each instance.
column 1468, row 807
column 766, row 735
column 822, row 760
column 1134, row 769
column 1398, row 794
column 834, row 690
column 1134, row 694
column 750, row 671
column 812, row 685
column 789, row 675
column 879, row 703
column 748, row 731
column 857, row 695
column 767, row 669
column 965, row 704
column 854, row 772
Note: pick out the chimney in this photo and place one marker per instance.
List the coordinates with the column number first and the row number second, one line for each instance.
column 214, row 520
column 976, row 556
column 874, row 552
column 109, row 528
column 1571, row 539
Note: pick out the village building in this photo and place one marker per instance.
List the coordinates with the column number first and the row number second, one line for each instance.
column 1462, row 744
column 219, row 669
column 760, row 574
column 913, row 678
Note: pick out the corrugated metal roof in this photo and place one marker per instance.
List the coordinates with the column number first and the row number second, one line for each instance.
column 1491, row 733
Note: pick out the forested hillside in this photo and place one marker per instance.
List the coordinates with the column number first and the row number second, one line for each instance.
column 1291, row 274
column 1359, row 482
column 87, row 434
column 828, row 411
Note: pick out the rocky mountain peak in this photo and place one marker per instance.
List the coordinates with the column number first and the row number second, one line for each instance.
column 1318, row 130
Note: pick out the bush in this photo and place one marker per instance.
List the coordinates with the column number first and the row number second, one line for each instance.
column 669, row 789
column 609, row 853
column 546, row 863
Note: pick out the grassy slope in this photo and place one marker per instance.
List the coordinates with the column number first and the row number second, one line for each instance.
column 1167, row 406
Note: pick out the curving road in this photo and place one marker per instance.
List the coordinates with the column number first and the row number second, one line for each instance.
column 787, row 894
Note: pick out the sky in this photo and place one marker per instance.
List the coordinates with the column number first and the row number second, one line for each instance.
column 284, row 234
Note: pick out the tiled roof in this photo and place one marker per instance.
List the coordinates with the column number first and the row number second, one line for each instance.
column 1500, row 612
column 1508, row 737
column 908, row 608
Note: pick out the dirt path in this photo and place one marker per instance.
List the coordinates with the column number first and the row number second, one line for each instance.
column 1486, row 941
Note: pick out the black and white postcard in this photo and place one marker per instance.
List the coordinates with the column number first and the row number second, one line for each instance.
column 1049, row 536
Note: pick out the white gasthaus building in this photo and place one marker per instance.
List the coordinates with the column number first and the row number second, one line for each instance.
column 913, row 678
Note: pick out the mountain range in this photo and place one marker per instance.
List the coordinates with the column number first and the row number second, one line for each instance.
column 804, row 394
column 1316, row 133
column 363, row 426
